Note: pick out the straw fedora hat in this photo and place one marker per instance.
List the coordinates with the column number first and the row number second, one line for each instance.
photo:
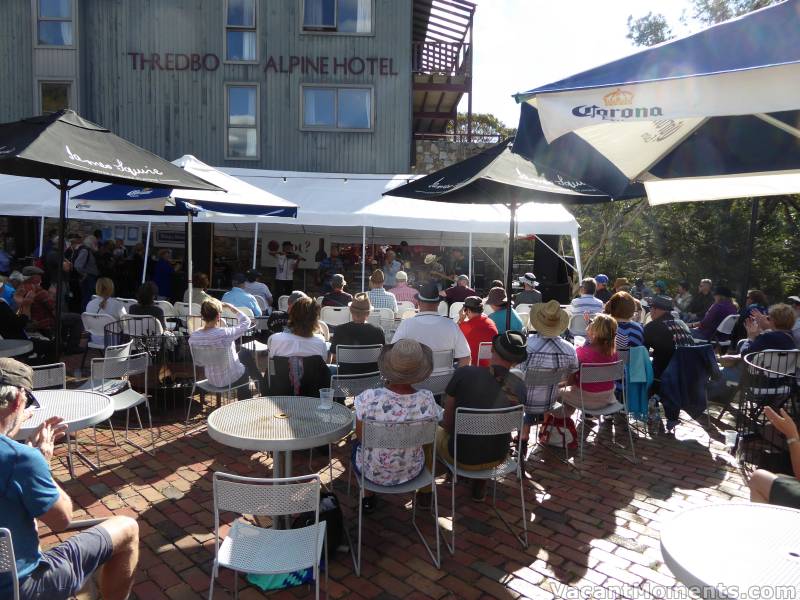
column 405, row 362
column 549, row 319
column 430, row 259
column 621, row 282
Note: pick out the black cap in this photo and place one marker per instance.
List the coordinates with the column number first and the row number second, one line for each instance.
column 429, row 292
column 510, row 346
column 662, row 302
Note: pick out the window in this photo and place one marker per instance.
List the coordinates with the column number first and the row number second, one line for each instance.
column 240, row 31
column 54, row 23
column 342, row 16
column 242, row 107
column 346, row 108
column 54, row 95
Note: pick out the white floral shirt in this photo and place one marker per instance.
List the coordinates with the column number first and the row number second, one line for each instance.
column 386, row 466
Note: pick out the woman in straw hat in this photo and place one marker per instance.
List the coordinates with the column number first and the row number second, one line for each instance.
column 546, row 350
column 401, row 364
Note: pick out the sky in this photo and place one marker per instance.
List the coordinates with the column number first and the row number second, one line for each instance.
column 521, row 44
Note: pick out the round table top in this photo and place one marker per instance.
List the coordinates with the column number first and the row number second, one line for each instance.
column 79, row 409
column 279, row 423
column 732, row 548
column 15, row 347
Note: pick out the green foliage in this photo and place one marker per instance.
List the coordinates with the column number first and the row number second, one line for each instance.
column 717, row 11
column 649, row 30
column 483, row 125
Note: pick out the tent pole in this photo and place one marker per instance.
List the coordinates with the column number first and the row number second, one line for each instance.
column 510, row 263
column 363, row 255
column 62, row 226
column 189, row 259
column 255, row 245
column 469, row 261
column 41, row 238
column 146, row 252
column 751, row 238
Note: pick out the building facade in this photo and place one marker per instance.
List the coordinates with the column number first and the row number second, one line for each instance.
column 304, row 85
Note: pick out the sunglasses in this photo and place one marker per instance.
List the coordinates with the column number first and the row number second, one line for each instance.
column 30, row 400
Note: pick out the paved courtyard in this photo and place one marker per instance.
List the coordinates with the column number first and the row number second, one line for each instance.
column 597, row 526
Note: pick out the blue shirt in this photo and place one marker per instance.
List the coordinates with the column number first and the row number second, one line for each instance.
column 629, row 335
column 499, row 318
column 7, row 293
column 241, row 299
column 27, row 491
column 586, row 303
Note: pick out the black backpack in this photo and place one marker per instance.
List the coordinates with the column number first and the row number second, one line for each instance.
column 329, row 511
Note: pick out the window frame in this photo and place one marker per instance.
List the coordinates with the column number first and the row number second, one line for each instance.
column 257, row 126
column 226, row 28
column 39, row 109
column 37, row 17
column 335, row 32
column 337, row 87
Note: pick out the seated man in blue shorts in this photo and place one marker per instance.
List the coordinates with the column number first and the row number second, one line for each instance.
column 28, row 492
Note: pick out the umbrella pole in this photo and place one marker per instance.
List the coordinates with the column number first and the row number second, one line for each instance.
column 41, row 238
column 62, row 226
column 510, row 265
column 146, row 252
column 751, row 238
column 363, row 255
column 189, row 259
column 255, row 245
column 469, row 261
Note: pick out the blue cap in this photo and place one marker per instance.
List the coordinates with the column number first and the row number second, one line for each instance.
column 601, row 278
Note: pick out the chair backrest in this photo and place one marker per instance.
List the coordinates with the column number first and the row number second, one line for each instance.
column 108, row 368
column 358, row 355
column 349, row 386
column 397, row 435
column 442, row 360
column 385, row 314
column 492, row 421
column 138, row 363
column 95, row 324
column 118, row 351
column 484, row 351
column 624, row 356
column 536, row 377
column 727, row 324
column 169, row 310
column 407, row 313
column 127, row 302
column 261, row 323
column 335, row 315
column 319, row 300
column 208, row 356
column 405, row 305
column 442, row 309
column 265, row 497
column 182, row 309
column 8, row 563
column 775, row 364
column 523, row 308
column 283, row 303
column 601, row 372
column 50, row 376
column 261, row 301
column 577, row 325
column 374, row 318
column 142, row 325
column 455, row 307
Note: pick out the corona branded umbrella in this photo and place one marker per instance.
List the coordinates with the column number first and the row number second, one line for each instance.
column 67, row 150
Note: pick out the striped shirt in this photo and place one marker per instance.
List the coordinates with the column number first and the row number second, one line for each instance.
column 586, row 303
column 549, row 353
column 629, row 335
column 380, row 298
column 404, row 293
column 223, row 338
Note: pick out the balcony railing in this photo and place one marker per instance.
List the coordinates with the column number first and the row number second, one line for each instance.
column 442, row 58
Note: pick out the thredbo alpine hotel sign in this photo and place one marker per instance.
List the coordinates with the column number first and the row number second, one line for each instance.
column 323, row 65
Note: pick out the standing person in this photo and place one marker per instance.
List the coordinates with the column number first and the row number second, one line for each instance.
column 105, row 302
column 499, row 302
column 237, row 295
column 391, row 266
column 29, row 493
column 402, row 291
column 458, row 292
column 722, row 307
column 587, row 302
column 664, row 333
column 529, row 293
column 602, row 292
column 701, row 302
column 378, row 296
column 73, row 284
column 286, row 263
column 241, row 366
column 357, row 333
column 683, row 299
column 433, row 270
column 458, row 264
column 794, row 302
column 256, row 287
column 86, row 267
column 162, row 274
column 622, row 306
column 337, row 296
column 475, row 325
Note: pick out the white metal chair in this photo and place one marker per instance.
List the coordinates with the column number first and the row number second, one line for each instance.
column 319, row 300
column 167, row 307
column 184, row 309
column 127, row 303
column 142, row 325
column 602, row 373
column 261, row 301
column 283, row 303
column 8, row 563
column 484, row 352
column 455, row 308
column 407, row 313
column 405, row 305
column 577, row 325
column 50, row 376
column 335, row 315
column 523, row 308
column 210, row 356
column 726, row 328
column 475, row 422
column 547, row 377
column 400, row 436
column 255, row 550
column 95, row 324
column 440, row 376
column 358, row 355
column 442, row 309
column 350, row 386
column 131, row 399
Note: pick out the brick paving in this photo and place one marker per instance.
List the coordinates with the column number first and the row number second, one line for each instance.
column 596, row 527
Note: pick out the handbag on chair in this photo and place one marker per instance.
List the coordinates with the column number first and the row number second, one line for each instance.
column 557, row 431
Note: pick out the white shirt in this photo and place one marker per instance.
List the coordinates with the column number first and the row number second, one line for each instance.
column 284, row 269
column 435, row 331
column 258, row 289
column 223, row 338
column 289, row 344
column 796, row 333
column 113, row 307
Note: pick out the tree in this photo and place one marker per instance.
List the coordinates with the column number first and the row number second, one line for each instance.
column 484, row 125
column 649, row 30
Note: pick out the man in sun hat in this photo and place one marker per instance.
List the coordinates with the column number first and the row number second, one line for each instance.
column 434, row 271
column 621, row 284
column 602, row 292
column 498, row 300
column 337, row 297
column 547, row 350
column 482, row 388
column 436, row 331
column 475, row 325
column 29, row 493
column 529, row 293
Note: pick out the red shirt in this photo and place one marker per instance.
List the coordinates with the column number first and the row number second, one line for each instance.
column 477, row 330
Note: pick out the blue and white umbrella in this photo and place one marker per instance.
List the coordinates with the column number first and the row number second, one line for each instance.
column 238, row 200
column 709, row 116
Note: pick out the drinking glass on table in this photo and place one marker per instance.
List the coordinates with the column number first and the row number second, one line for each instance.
column 325, row 398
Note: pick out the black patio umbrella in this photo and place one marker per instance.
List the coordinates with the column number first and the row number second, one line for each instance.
column 62, row 147
column 497, row 176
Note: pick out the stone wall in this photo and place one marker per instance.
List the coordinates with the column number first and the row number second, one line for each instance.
column 437, row 154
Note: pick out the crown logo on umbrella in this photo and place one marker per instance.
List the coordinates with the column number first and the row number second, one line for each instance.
column 618, row 98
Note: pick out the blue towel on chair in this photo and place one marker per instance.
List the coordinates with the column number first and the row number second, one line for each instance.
column 639, row 378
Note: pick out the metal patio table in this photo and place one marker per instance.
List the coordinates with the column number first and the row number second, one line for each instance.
column 729, row 550
column 15, row 347
column 80, row 409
